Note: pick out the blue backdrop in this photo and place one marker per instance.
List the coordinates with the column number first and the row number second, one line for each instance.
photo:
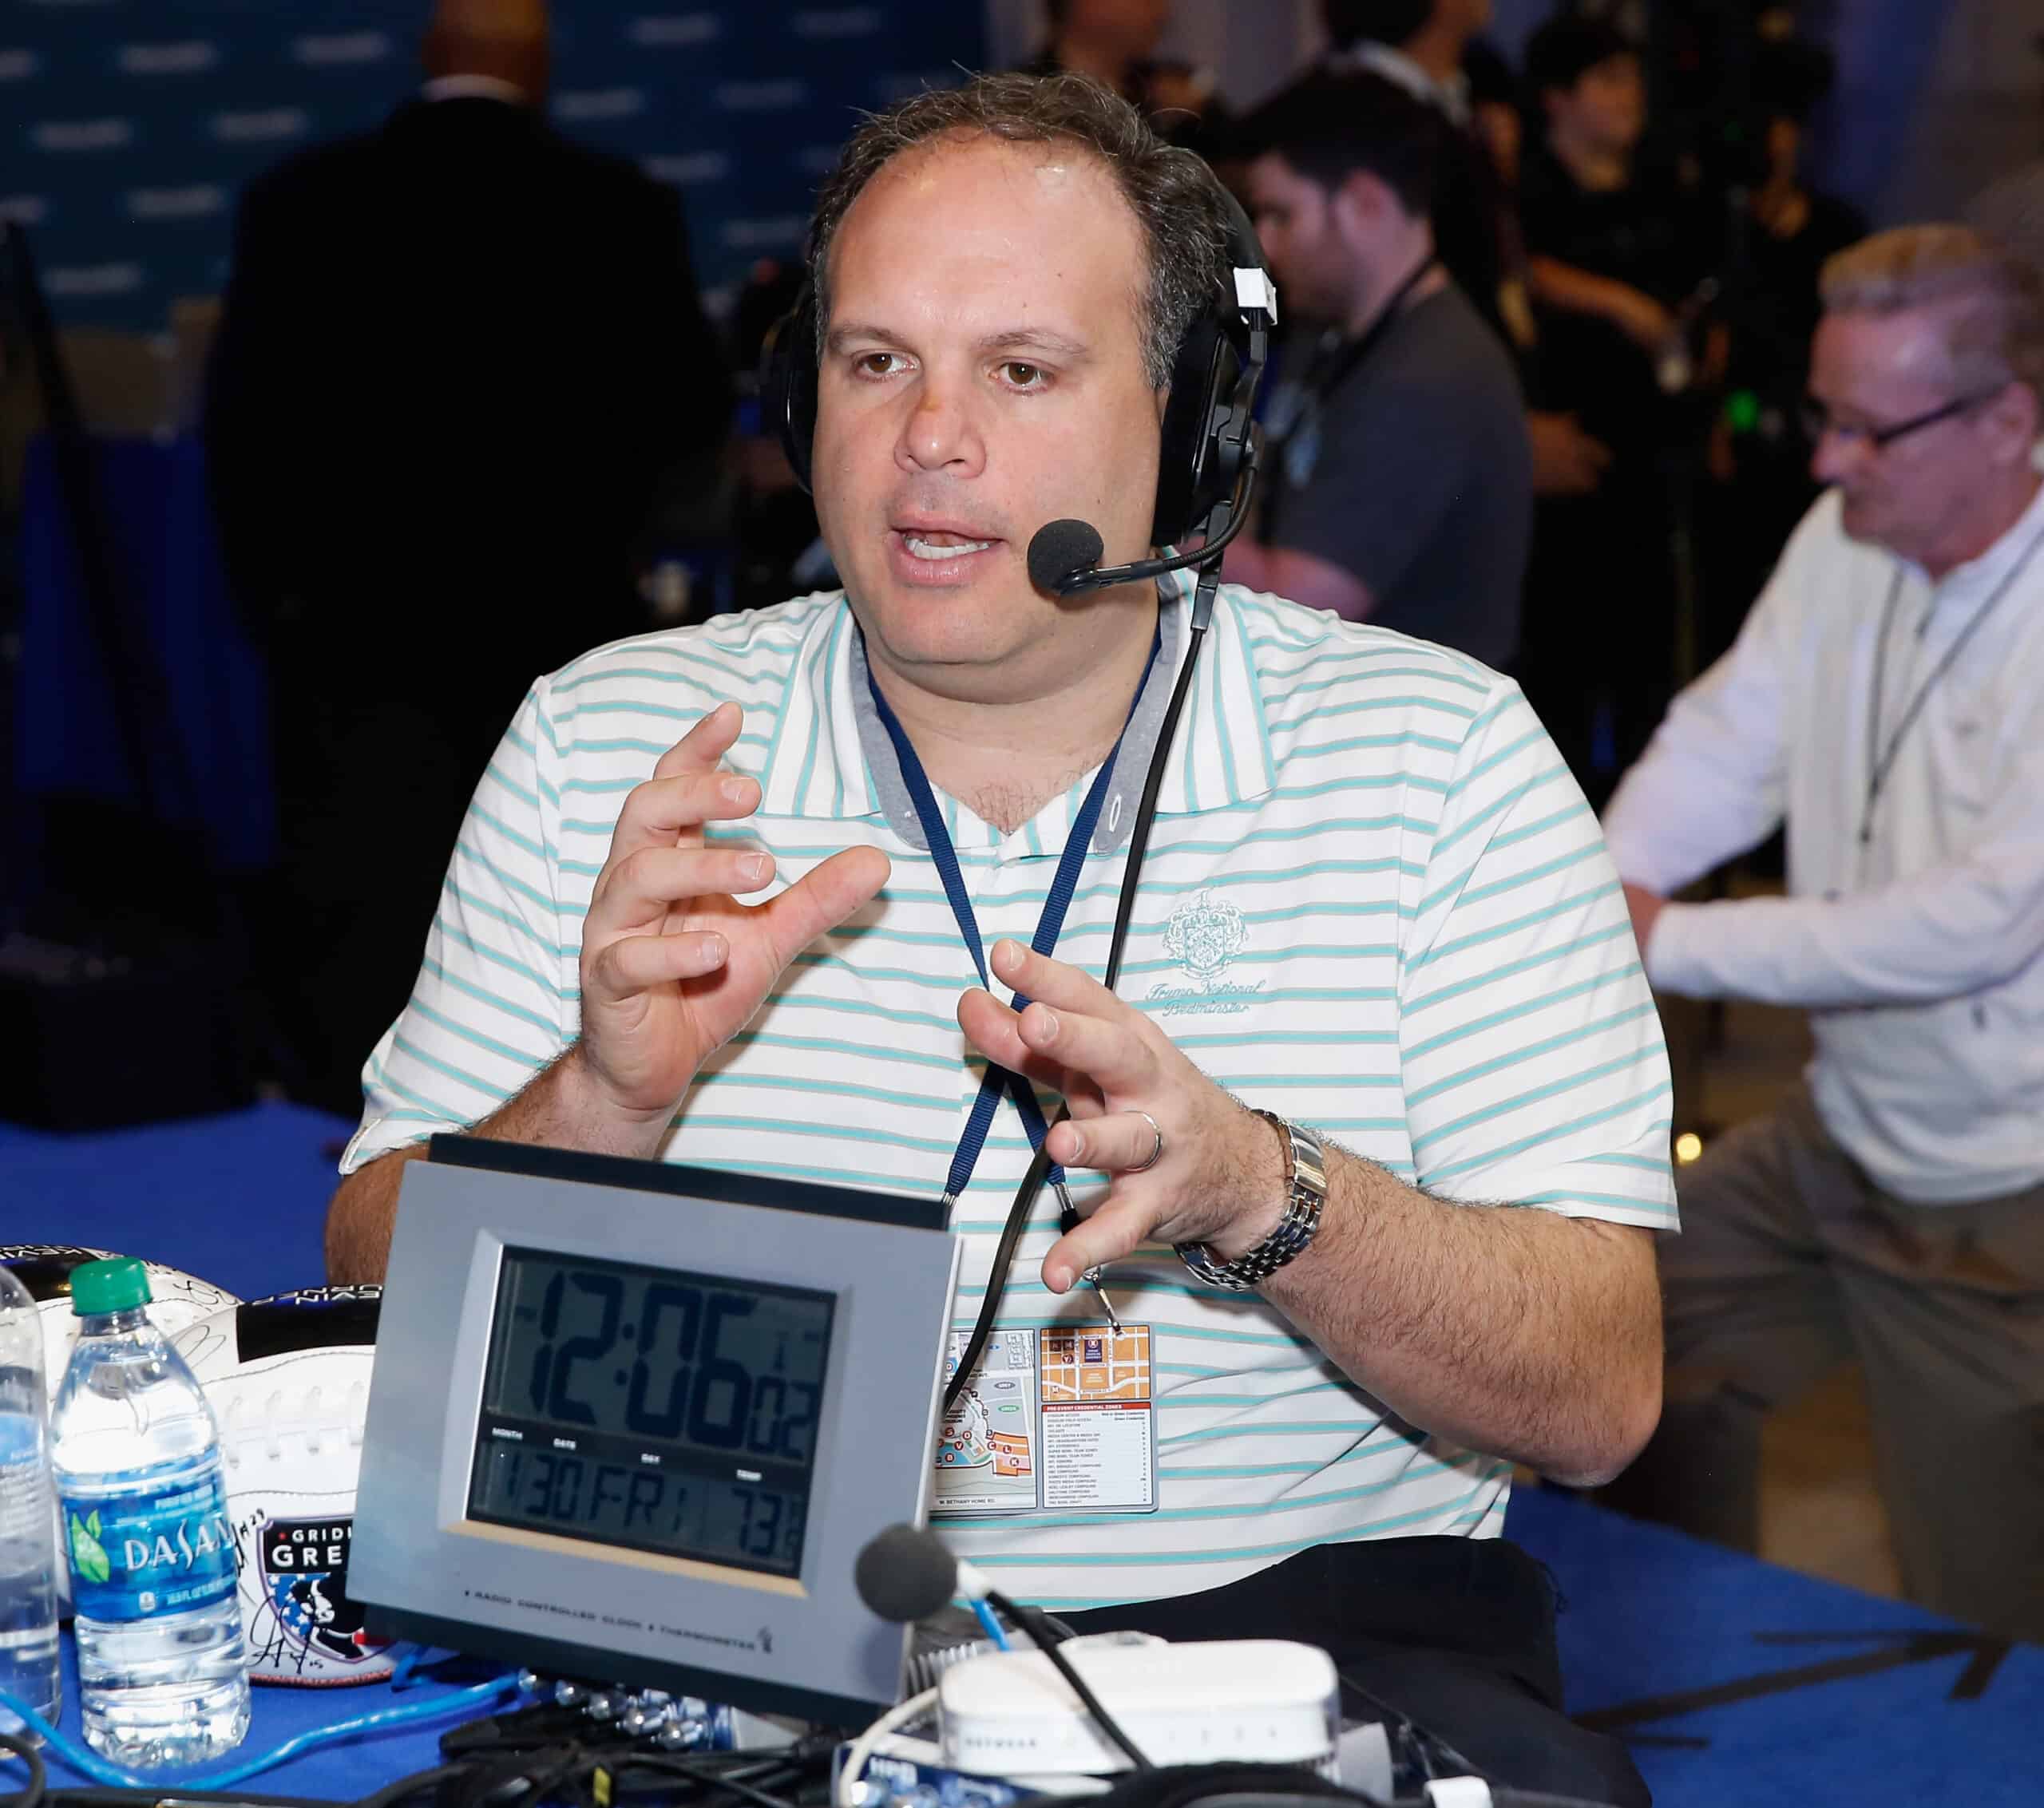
column 127, row 126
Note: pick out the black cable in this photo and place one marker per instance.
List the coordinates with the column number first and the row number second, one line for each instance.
column 679, row 1765
column 1425, row 1734
column 1035, row 1622
column 31, row 1794
column 1033, row 1182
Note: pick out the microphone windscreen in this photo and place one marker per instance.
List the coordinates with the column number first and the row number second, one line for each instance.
column 1061, row 548
column 905, row 1574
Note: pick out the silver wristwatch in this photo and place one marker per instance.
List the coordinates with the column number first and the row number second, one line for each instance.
column 1306, row 1173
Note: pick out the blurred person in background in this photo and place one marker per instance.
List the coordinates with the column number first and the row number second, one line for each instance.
column 1609, row 245
column 1612, row 251
column 458, row 358
column 1886, row 700
column 2011, row 208
column 1493, row 108
column 1759, row 453
column 1115, row 42
column 1432, row 49
column 1399, row 481
column 1419, row 45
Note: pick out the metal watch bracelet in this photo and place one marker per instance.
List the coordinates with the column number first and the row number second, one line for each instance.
column 1306, row 1173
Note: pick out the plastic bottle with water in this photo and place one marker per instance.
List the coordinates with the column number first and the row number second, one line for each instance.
column 27, row 1548
column 162, row 1674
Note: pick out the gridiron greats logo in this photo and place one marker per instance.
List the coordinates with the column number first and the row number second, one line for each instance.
column 306, row 1629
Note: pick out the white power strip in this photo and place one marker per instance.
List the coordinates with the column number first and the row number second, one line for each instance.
column 1263, row 1701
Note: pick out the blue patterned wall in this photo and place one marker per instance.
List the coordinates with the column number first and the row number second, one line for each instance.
column 127, row 126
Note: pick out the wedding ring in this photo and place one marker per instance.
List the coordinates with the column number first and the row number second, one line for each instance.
column 1157, row 1149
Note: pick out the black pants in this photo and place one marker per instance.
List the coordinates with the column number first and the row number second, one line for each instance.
column 1457, row 1634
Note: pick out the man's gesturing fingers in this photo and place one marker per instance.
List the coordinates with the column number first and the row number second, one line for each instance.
column 699, row 750
column 686, row 789
column 644, row 885
column 1116, row 1231
column 820, row 900
column 1120, row 1142
column 1072, row 1020
column 637, row 964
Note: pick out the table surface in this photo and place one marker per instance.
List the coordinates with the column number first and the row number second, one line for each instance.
column 1736, row 1681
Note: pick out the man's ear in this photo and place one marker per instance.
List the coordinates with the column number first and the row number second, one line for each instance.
column 1361, row 203
column 2018, row 420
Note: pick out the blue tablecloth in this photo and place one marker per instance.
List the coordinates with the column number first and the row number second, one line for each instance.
column 1745, row 1683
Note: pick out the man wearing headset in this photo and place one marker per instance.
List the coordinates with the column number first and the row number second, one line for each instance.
column 1375, row 908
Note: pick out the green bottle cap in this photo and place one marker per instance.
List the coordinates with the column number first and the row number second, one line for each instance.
column 117, row 1285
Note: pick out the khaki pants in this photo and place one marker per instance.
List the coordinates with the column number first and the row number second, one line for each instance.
column 1790, row 1261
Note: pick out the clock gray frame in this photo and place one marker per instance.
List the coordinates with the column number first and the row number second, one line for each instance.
column 804, row 1645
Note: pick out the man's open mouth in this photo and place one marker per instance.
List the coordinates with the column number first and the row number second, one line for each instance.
column 937, row 546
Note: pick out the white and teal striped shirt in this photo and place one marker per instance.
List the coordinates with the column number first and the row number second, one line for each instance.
column 1375, row 902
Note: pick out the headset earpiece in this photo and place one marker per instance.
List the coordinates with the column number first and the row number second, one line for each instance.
column 1206, row 436
column 787, row 383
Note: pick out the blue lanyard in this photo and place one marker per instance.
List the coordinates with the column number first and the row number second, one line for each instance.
column 1049, row 925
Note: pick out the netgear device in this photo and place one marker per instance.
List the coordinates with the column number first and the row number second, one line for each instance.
column 1263, row 1701
column 635, row 1423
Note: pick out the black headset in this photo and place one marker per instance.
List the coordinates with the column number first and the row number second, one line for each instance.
column 1208, row 429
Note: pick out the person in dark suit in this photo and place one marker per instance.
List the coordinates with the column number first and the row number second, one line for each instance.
column 458, row 359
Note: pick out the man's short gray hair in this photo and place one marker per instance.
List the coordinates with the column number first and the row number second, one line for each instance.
column 1994, row 333
column 1173, row 194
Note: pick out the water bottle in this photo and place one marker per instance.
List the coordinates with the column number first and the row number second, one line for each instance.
column 162, row 1674
column 27, row 1548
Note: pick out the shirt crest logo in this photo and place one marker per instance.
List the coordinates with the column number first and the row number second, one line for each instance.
column 1204, row 935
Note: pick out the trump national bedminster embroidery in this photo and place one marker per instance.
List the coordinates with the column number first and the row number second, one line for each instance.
column 1375, row 901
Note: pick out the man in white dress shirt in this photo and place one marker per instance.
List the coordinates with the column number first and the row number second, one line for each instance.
column 1886, row 700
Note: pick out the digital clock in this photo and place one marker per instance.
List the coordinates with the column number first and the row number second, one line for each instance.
column 635, row 1423
column 662, row 1410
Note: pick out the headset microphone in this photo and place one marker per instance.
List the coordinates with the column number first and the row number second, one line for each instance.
column 1063, row 555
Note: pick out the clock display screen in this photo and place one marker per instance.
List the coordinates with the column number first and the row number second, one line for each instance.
column 652, row 1408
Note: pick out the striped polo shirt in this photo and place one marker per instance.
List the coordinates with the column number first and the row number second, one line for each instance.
column 1374, row 901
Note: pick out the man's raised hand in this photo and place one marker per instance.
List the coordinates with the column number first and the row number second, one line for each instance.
column 673, row 965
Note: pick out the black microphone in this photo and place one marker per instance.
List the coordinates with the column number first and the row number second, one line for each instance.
column 1064, row 555
column 1062, row 552
column 905, row 1574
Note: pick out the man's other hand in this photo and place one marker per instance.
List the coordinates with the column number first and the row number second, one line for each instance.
column 1218, row 1175
column 673, row 965
column 1646, row 906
